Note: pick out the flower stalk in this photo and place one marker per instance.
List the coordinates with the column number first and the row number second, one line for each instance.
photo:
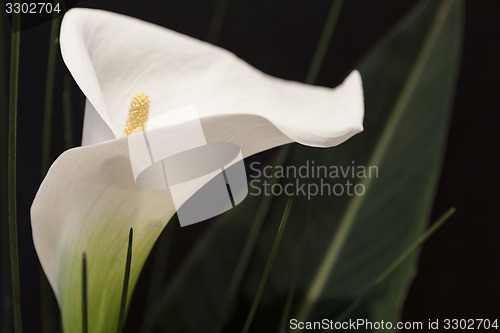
column 269, row 265
column 6, row 302
column 324, row 41
column 12, row 202
column 49, row 94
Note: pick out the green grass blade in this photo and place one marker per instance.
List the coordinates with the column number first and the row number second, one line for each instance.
column 300, row 257
column 217, row 21
column 324, row 41
column 6, row 301
column 395, row 265
column 123, row 304
column 268, row 267
column 49, row 94
column 13, row 97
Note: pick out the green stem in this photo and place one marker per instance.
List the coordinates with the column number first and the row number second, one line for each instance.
column 300, row 257
column 268, row 267
column 67, row 114
column 49, row 94
column 4, row 128
column 14, row 254
column 217, row 21
column 395, row 265
column 123, row 304
column 324, row 41
column 85, row 320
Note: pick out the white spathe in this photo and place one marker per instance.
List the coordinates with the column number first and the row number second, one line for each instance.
column 88, row 201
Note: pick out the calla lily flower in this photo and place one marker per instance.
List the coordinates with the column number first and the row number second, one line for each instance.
column 89, row 200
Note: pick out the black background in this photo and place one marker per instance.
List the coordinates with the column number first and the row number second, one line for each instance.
column 458, row 273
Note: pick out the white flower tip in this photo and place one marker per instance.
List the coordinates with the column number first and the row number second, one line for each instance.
column 331, row 121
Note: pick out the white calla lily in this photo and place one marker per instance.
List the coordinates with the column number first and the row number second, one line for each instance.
column 88, row 201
